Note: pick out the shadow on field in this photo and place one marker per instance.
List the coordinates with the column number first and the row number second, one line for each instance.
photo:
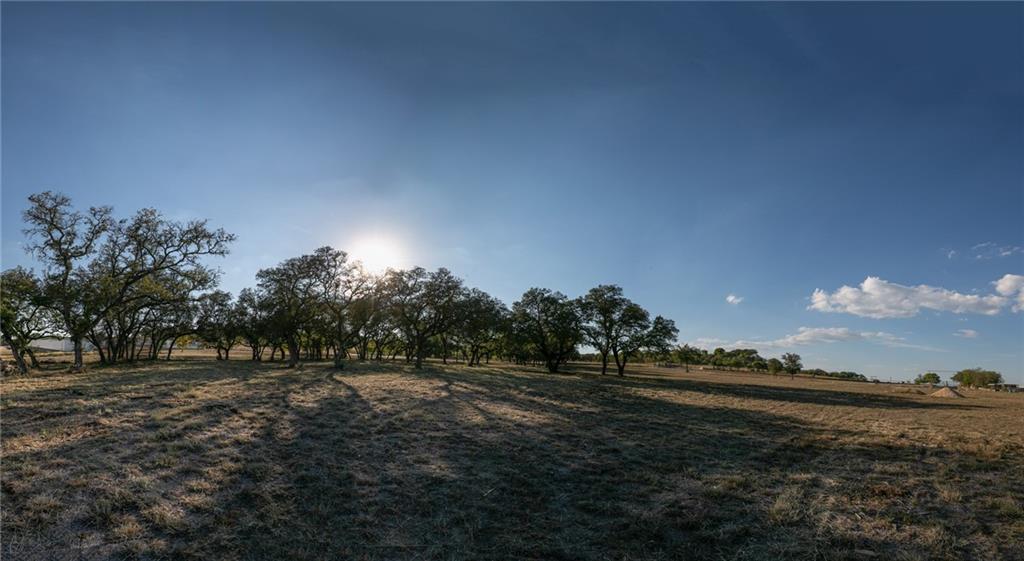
column 255, row 462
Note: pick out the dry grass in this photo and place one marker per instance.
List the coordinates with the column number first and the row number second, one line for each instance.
column 203, row 460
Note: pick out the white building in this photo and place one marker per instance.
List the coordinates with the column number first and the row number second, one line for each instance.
column 59, row 344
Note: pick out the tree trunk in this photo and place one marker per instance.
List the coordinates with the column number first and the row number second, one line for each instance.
column 79, row 361
column 604, row 363
column 293, row 354
column 170, row 347
column 339, row 361
column 18, row 357
column 99, row 349
column 32, row 357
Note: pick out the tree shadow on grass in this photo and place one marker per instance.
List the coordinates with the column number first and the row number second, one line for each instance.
column 384, row 463
column 492, row 466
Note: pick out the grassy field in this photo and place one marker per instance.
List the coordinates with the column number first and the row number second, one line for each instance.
column 194, row 459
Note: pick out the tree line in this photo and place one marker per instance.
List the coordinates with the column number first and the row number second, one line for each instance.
column 134, row 287
column 751, row 359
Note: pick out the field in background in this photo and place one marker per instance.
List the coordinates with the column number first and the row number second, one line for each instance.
column 195, row 459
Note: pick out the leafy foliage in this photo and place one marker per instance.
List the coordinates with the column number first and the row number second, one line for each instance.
column 977, row 377
column 791, row 363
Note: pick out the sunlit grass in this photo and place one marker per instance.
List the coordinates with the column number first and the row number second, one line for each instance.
column 201, row 460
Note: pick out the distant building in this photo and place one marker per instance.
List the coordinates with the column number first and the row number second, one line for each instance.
column 59, row 344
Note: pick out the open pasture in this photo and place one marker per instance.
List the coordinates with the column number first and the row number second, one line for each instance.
column 198, row 459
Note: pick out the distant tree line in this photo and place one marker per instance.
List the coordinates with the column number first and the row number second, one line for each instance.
column 750, row 359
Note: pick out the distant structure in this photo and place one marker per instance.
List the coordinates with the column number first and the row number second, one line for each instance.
column 59, row 344
column 1012, row 388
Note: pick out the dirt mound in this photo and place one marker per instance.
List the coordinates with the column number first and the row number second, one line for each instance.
column 947, row 392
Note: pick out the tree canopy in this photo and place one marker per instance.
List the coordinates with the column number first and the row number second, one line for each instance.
column 977, row 377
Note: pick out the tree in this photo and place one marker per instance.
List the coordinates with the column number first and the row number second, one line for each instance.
column 614, row 325
column 928, row 378
column 342, row 284
column 62, row 239
column 631, row 335
column 24, row 316
column 601, row 309
column 174, row 320
column 253, row 311
column 481, row 321
column 218, row 322
column 294, row 289
column 791, row 363
column 156, row 310
column 660, row 337
column 95, row 266
column 424, row 306
column 688, row 355
column 977, row 377
column 374, row 313
column 775, row 365
column 550, row 323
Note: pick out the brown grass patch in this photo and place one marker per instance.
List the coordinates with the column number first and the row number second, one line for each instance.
column 202, row 460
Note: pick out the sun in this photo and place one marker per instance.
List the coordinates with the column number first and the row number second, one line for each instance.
column 377, row 253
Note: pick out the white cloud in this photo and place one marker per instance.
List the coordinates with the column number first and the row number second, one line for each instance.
column 992, row 250
column 733, row 299
column 811, row 336
column 1010, row 285
column 878, row 298
column 709, row 342
column 966, row 333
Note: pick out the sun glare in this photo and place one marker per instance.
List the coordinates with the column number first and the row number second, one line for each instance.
column 377, row 253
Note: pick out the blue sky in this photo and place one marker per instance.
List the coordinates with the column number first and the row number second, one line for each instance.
column 684, row 151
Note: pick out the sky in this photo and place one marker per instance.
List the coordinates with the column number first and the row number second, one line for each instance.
column 844, row 181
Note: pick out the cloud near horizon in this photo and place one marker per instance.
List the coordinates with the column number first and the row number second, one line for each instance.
column 733, row 299
column 966, row 333
column 817, row 335
column 877, row 298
